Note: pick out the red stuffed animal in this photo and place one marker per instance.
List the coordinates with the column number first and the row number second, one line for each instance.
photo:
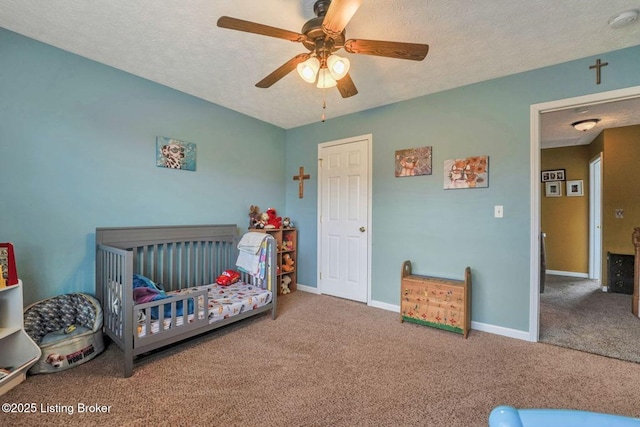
column 274, row 221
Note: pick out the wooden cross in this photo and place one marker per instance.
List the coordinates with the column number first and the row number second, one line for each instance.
column 597, row 66
column 301, row 177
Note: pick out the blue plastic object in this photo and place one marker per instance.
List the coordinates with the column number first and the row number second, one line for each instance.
column 507, row 416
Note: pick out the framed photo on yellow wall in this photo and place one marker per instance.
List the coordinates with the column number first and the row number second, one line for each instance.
column 553, row 189
column 553, row 175
column 574, row 188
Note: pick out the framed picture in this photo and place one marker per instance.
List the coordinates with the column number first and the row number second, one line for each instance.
column 8, row 264
column 554, row 175
column 574, row 188
column 174, row 154
column 470, row 172
column 413, row 162
column 553, row 189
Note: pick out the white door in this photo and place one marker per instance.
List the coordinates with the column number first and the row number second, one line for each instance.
column 595, row 218
column 344, row 218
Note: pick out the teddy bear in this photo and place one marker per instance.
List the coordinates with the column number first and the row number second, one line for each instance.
column 287, row 263
column 262, row 220
column 254, row 216
column 284, row 285
column 273, row 220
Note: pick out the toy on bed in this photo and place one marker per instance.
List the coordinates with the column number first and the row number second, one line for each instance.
column 68, row 330
column 147, row 276
column 507, row 416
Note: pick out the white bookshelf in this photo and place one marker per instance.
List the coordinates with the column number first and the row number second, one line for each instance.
column 18, row 352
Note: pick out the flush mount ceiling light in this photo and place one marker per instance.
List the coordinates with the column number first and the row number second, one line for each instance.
column 624, row 18
column 585, row 125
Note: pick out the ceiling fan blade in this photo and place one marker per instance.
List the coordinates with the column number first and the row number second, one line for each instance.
column 282, row 71
column 413, row 51
column 255, row 28
column 338, row 16
column 346, row 87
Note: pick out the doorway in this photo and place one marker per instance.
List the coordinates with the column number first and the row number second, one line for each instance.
column 595, row 219
column 535, row 112
column 344, row 218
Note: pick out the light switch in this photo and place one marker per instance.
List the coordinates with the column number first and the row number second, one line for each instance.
column 498, row 211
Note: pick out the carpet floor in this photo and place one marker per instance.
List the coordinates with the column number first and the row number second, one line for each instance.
column 328, row 362
column 575, row 313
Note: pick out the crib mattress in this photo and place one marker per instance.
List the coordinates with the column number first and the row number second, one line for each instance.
column 224, row 302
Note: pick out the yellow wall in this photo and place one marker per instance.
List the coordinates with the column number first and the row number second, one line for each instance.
column 565, row 220
column 621, row 181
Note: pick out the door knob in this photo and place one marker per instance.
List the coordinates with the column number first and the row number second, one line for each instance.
column 362, row 229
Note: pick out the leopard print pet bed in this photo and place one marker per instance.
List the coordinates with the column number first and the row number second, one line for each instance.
column 68, row 329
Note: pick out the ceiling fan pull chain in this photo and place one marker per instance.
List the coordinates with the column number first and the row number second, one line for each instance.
column 324, row 105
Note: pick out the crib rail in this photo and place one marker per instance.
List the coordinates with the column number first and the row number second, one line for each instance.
column 176, row 258
column 114, row 271
column 193, row 316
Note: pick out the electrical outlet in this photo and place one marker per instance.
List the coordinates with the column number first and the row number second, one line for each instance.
column 498, row 211
column 619, row 213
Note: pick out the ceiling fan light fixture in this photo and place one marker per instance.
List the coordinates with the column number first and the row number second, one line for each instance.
column 338, row 66
column 325, row 80
column 308, row 69
column 585, row 125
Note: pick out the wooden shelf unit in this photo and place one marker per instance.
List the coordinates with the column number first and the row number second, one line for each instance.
column 437, row 302
column 281, row 235
column 18, row 352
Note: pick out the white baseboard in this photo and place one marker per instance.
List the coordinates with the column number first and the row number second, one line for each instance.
column 499, row 330
column 568, row 273
column 385, row 306
column 305, row 288
column 478, row 326
column 484, row 327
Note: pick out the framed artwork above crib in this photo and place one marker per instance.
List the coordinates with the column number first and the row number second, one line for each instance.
column 175, row 154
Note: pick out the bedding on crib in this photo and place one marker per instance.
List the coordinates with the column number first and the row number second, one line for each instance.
column 223, row 302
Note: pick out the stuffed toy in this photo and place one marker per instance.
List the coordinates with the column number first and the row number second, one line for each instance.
column 284, row 285
column 254, row 216
column 287, row 263
column 286, row 223
column 263, row 219
column 287, row 245
column 273, row 220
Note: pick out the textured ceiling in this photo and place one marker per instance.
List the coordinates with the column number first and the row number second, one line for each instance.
column 177, row 44
column 556, row 129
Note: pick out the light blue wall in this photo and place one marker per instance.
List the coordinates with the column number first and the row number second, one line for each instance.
column 77, row 144
column 442, row 231
column 78, row 148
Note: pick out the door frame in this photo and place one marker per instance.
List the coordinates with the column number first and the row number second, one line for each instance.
column 535, row 111
column 369, row 138
column 595, row 230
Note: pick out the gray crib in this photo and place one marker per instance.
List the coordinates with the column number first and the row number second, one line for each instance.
column 179, row 258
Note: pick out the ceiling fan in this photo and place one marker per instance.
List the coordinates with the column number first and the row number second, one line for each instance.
column 323, row 36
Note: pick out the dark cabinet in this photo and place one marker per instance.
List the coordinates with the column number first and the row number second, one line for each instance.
column 620, row 267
